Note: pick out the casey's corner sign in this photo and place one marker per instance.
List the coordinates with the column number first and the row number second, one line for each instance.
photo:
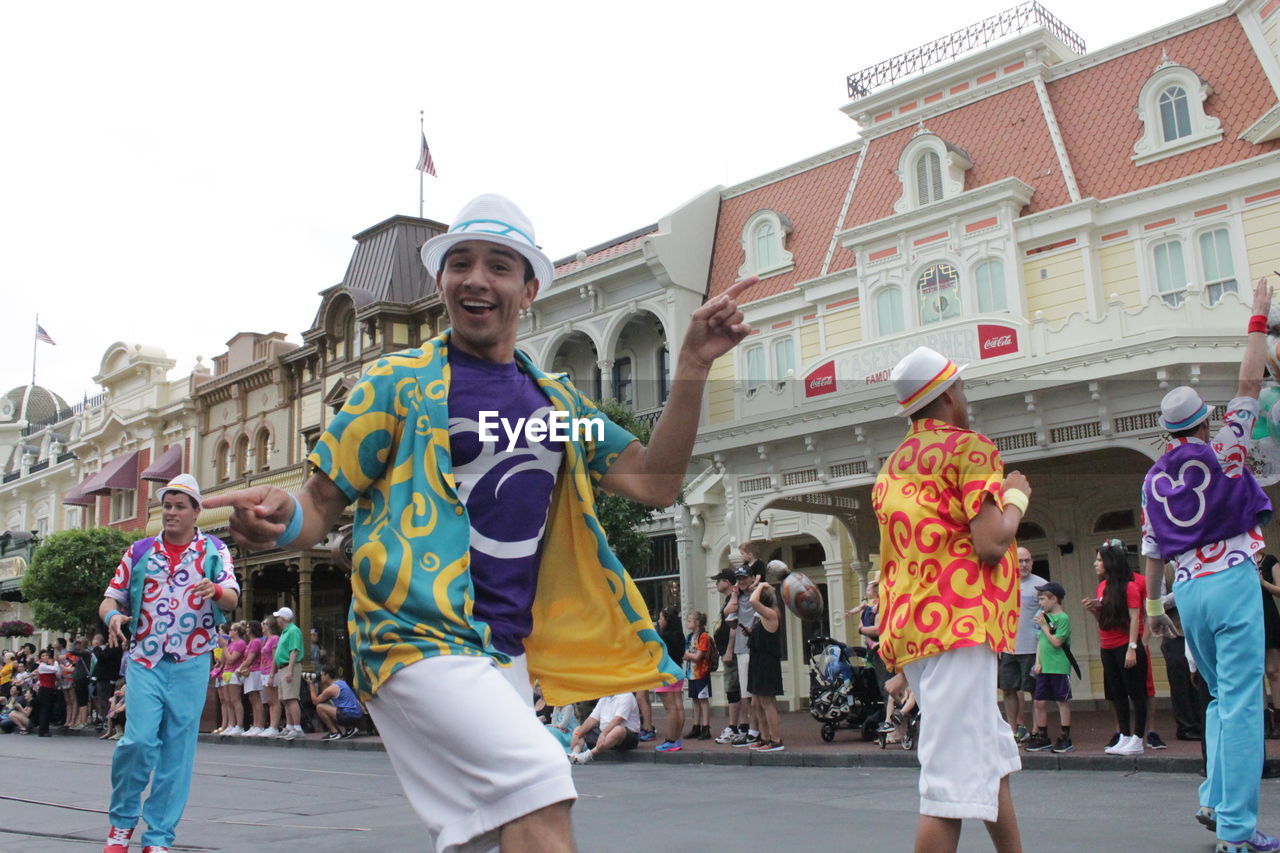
column 860, row 366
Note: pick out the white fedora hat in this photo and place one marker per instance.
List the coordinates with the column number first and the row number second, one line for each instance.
column 494, row 219
column 920, row 377
column 1182, row 409
column 187, row 485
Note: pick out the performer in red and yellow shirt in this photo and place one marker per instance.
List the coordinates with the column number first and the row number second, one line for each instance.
column 949, row 598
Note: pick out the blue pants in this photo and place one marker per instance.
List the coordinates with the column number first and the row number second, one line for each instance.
column 1222, row 619
column 162, row 722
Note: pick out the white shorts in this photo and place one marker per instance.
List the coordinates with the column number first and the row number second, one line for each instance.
column 253, row 681
column 469, row 752
column 234, row 679
column 742, row 660
column 965, row 746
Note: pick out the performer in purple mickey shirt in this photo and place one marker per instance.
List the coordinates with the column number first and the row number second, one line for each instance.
column 1203, row 510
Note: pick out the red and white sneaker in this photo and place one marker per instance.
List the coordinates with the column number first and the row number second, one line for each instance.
column 118, row 840
column 155, row 848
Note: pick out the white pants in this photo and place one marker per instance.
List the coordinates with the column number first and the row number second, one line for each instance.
column 965, row 746
column 469, row 752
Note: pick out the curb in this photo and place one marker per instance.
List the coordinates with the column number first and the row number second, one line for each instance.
column 795, row 758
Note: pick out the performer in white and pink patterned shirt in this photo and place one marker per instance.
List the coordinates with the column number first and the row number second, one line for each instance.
column 1203, row 511
column 171, row 592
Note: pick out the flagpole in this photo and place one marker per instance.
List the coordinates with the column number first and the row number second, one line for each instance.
column 35, row 343
column 423, row 131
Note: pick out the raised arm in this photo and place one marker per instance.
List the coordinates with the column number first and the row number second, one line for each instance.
column 261, row 514
column 1255, row 350
column 653, row 475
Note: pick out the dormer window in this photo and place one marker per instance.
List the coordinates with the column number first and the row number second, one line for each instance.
column 930, row 170
column 1171, row 108
column 764, row 240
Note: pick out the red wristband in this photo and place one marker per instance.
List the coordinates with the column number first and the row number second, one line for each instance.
column 217, row 593
column 1258, row 323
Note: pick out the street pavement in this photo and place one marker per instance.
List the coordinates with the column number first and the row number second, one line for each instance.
column 53, row 795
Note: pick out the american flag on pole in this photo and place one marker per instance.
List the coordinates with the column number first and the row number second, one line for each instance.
column 42, row 335
column 425, row 163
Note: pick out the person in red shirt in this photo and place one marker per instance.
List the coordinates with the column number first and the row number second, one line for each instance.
column 1117, row 607
column 47, row 677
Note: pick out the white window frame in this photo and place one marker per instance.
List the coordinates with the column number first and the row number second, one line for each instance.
column 914, row 285
column 1003, row 289
column 754, row 381
column 782, row 260
column 1174, row 296
column 1205, row 282
column 1205, row 129
column 779, row 374
column 953, row 162
column 902, row 310
column 1189, row 233
column 124, row 504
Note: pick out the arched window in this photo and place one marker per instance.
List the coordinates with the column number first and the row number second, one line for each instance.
column 755, row 367
column 1175, row 114
column 1216, row 264
column 928, row 178
column 766, row 245
column 1171, row 108
column 938, row 289
column 930, row 170
column 889, row 316
column 784, row 357
column 989, row 279
column 222, row 462
column 764, row 238
column 243, row 463
column 262, row 450
column 1171, row 272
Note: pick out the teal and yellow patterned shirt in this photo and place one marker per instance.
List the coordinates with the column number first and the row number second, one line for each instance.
column 412, row 595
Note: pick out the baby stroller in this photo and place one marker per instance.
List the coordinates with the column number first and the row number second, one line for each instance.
column 843, row 692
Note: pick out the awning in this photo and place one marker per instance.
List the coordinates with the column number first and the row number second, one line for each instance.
column 77, row 496
column 119, row 473
column 168, row 466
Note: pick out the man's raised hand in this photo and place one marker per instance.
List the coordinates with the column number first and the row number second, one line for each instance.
column 258, row 515
column 718, row 326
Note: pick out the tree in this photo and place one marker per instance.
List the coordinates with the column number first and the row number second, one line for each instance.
column 68, row 574
column 621, row 517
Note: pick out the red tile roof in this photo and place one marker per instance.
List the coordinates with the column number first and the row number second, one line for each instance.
column 812, row 201
column 596, row 254
column 1004, row 135
column 1095, row 109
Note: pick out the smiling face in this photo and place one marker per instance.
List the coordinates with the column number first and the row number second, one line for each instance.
column 485, row 290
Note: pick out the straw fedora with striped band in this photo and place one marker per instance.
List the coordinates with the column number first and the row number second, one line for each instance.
column 920, row 377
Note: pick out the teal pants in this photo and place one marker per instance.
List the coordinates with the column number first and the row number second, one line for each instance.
column 1222, row 618
column 162, row 722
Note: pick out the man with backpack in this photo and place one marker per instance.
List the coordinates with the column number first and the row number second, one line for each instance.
column 170, row 592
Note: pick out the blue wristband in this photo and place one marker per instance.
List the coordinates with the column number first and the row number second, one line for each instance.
column 293, row 528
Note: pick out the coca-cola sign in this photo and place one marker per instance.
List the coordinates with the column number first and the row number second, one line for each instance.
column 996, row 340
column 821, row 380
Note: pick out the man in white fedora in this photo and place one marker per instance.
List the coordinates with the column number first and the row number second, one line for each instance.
column 478, row 559
column 171, row 592
column 949, row 599
column 1203, row 511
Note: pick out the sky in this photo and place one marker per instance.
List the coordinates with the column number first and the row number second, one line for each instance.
column 176, row 173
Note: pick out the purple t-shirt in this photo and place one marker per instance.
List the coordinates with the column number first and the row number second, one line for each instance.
column 507, row 492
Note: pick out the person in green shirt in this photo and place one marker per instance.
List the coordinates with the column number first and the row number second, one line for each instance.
column 1052, row 669
column 288, row 653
